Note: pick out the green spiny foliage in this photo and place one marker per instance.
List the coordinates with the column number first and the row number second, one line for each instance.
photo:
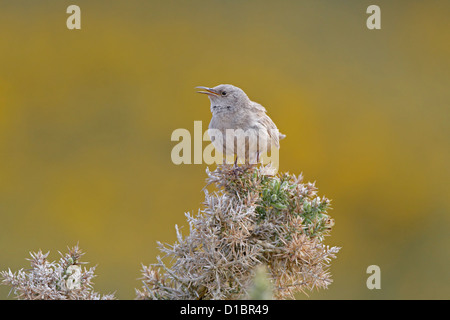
column 283, row 194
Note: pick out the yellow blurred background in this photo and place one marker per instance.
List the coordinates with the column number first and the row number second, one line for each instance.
column 86, row 118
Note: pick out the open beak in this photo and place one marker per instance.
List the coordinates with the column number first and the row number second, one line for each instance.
column 207, row 91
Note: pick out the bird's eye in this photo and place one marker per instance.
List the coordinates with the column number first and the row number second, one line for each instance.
column 224, row 93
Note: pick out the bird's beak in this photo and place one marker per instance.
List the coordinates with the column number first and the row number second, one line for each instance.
column 207, row 91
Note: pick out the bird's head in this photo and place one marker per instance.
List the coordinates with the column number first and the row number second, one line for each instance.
column 226, row 96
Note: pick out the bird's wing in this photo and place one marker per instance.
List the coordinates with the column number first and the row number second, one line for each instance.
column 274, row 134
column 272, row 130
column 257, row 107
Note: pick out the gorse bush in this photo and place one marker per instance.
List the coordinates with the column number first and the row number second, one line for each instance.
column 253, row 218
column 257, row 236
column 48, row 280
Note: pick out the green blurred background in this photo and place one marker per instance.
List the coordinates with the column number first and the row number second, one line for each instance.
column 86, row 118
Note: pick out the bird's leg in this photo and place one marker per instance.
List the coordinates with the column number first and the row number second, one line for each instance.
column 236, row 168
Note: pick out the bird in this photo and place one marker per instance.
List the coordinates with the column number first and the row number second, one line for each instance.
column 239, row 126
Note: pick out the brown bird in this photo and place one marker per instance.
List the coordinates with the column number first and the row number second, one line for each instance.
column 238, row 125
